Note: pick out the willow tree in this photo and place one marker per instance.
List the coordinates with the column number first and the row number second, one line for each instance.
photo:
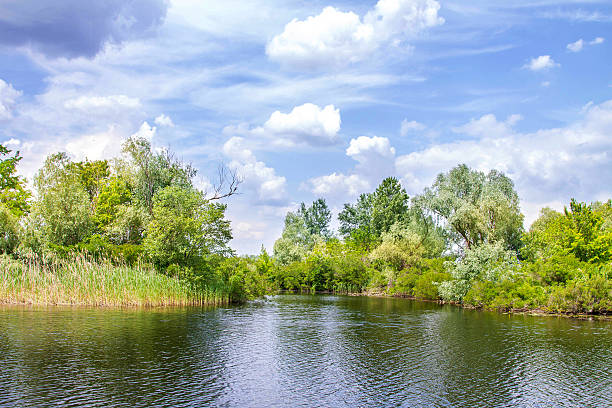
column 475, row 208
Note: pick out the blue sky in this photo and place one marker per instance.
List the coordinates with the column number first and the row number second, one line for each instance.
column 319, row 98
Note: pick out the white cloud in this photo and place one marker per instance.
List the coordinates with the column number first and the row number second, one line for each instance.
column 488, row 126
column 410, row 126
column 336, row 38
column 146, row 131
column 541, row 63
column 8, row 98
column 257, row 177
column 164, row 120
column 96, row 146
column 598, row 40
column 576, row 46
column 375, row 159
column 305, row 125
column 548, row 165
column 337, row 185
column 11, row 142
column 102, row 102
column 545, row 84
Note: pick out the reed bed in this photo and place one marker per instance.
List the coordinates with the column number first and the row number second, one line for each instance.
column 82, row 281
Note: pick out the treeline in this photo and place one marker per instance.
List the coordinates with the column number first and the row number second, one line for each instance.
column 140, row 212
column 136, row 230
column 461, row 240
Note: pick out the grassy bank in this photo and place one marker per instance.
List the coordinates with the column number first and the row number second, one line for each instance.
column 82, row 282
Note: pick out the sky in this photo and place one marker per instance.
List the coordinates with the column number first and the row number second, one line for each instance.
column 319, row 98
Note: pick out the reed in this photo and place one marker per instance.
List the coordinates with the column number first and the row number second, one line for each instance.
column 81, row 281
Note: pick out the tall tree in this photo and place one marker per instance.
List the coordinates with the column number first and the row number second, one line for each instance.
column 356, row 222
column 389, row 205
column 316, row 218
column 475, row 208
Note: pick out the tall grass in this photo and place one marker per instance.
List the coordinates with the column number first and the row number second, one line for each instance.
column 81, row 281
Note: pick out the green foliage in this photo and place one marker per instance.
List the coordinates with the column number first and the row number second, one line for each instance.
column 295, row 241
column 185, row 228
column 13, row 193
column 389, row 205
column 580, row 231
column 486, row 262
column 475, row 208
column 92, row 175
column 113, row 193
column 316, row 218
column 9, row 230
column 63, row 210
column 153, row 171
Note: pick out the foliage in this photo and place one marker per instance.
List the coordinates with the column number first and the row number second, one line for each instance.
column 295, row 240
column 389, row 205
column 316, row 218
column 63, row 210
column 475, row 208
column 9, row 230
column 185, row 228
column 13, row 193
column 486, row 262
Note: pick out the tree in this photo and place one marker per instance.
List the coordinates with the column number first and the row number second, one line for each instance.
column 92, row 175
column 389, row 205
column 580, row 231
column 13, row 193
column 62, row 209
column 153, row 171
column 356, row 222
column 185, row 228
column 295, row 241
column 316, row 218
column 475, row 208
column 9, row 230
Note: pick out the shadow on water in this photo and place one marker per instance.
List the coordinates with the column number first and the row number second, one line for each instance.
column 301, row 350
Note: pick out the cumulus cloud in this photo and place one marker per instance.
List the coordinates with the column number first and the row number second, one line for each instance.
column 269, row 188
column 541, row 63
column 12, row 142
column 8, row 98
column 410, row 126
column 96, row 146
column 164, row 120
column 488, row 126
column 549, row 165
column 87, row 103
column 305, row 125
column 375, row 159
column 576, row 46
column 73, row 28
column 146, row 131
column 336, row 38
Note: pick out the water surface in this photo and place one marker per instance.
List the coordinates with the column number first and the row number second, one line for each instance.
column 298, row 350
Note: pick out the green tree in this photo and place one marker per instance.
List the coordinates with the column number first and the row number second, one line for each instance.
column 356, row 222
column 389, row 205
column 295, row 242
column 113, row 193
column 13, row 193
column 62, row 209
column 185, row 228
column 92, row 174
column 316, row 218
column 475, row 208
column 152, row 171
column 9, row 230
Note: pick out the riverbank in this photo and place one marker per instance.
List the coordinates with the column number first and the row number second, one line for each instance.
column 85, row 283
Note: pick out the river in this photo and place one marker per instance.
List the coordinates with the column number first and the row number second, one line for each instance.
column 301, row 350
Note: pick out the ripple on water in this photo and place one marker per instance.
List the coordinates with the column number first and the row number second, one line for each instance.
column 302, row 351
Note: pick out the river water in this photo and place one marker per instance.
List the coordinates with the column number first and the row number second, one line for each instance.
column 299, row 350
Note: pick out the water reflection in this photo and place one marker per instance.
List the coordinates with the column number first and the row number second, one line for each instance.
column 301, row 351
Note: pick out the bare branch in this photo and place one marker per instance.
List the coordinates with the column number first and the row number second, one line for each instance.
column 226, row 184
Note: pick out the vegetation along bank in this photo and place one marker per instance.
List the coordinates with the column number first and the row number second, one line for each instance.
column 135, row 230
